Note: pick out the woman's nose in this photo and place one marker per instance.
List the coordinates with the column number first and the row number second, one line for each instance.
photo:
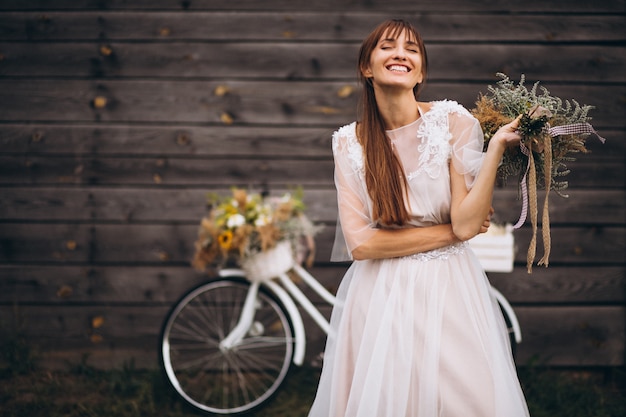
column 399, row 53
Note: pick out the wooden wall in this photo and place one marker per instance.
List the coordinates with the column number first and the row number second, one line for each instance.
column 116, row 117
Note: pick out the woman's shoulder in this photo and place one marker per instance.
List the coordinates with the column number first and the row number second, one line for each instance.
column 451, row 113
column 345, row 131
column 346, row 146
column 345, row 135
column 448, row 107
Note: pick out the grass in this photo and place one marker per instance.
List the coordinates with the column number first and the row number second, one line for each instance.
column 81, row 390
column 84, row 391
column 568, row 393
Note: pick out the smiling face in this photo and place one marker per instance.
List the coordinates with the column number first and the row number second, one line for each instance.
column 395, row 62
column 393, row 56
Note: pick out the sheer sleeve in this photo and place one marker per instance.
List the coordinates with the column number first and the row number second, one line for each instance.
column 354, row 225
column 467, row 145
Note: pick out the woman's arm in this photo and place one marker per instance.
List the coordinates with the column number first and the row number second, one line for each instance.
column 469, row 208
column 391, row 243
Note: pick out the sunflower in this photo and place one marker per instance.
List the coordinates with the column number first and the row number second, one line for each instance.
column 225, row 239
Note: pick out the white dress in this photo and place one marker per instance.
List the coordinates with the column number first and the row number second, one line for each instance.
column 420, row 335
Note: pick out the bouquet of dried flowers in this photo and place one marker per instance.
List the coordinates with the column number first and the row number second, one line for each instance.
column 244, row 224
column 552, row 129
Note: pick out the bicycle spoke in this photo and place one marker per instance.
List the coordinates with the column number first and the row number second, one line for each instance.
column 263, row 366
column 213, row 312
column 190, row 330
column 241, row 384
column 261, row 342
column 183, row 365
column 205, row 311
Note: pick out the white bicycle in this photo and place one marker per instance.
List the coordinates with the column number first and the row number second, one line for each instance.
column 228, row 344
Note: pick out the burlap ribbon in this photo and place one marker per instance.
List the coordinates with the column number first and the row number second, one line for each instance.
column 529, row 189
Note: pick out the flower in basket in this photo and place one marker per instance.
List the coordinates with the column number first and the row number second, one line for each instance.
column 552, row 130
column 243, row 224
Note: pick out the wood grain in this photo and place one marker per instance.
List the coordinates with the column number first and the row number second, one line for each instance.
column 80, row 284
column 187, row 205
column 319, row 103
column 302, row 61
column 154, row 244
column 557, row 336
column 113, row 139
column 451, row 25
column 537, row 6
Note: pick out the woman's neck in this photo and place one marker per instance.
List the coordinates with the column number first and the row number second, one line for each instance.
column 397, row 110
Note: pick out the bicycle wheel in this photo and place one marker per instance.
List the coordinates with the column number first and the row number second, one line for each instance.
column 219, row 381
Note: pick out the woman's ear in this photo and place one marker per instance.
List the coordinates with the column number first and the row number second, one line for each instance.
column 367, row 72
column 422, row 77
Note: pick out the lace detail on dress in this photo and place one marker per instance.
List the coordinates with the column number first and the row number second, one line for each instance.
column 351, row 143
column 434, row 136
column 441, row 253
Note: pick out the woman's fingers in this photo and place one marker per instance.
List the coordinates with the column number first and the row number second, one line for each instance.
column 487, row 221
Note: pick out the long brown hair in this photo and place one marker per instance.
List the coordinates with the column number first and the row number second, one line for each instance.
column 386, row 184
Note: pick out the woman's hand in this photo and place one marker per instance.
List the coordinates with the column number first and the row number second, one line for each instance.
column 506, row 136
column 487, row 222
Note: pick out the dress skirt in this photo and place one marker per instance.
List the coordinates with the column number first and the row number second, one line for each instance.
column 418, row 336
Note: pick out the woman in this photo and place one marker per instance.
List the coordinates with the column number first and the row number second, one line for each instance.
column 416, row 332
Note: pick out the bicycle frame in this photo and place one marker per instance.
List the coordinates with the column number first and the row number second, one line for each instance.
column 286, row 296
column 517, row 330
column 289, row 292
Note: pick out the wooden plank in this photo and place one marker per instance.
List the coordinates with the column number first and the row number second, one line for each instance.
column 122, row 325
column 98, row 139
column 554, row 285
column 80, row 285
column 164, row 5
column 572, row 336
column 303, row 26
column 29, row 284
column 65, row 243
column 90, row 284
column 139, row 205
column 557, row 336
column 563, row 6
column 585, row 245
column 172, row 244
column 264, row 103
column 225, row 141
column 165, row 171
column 582, row 206
column 222, row 172
column 133, row 205
column 297, row 103
column 287, row 61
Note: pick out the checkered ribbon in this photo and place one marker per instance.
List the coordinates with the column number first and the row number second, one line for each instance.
column 571, row 129
column 574, row 129
column 524, row 213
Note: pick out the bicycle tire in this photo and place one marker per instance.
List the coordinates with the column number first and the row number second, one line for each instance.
column 234, row 382
column 510, row 330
